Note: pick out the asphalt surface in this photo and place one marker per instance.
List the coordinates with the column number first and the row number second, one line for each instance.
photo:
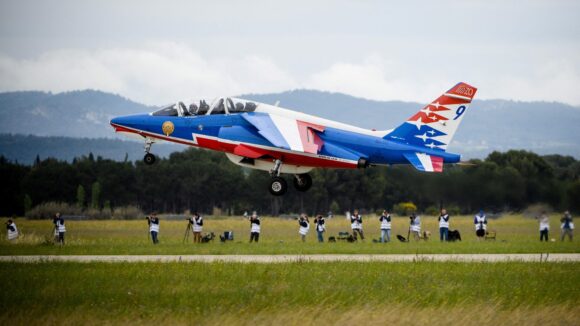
column 296, row 258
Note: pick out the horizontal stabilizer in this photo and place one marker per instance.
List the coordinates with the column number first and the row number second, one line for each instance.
column 424, row 162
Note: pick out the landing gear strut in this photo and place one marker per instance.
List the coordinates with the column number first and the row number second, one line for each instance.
column 148, row 158
column 278, row 185
column 302, row 182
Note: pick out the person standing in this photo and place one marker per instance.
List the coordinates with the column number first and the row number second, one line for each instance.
column 480, row 222
column 444, row 225
column 567, row 226
column 544, row 226
column 320, row 227
column 356, row 224
column 385, row 220
column 153, row 222
column 304, row 226
column 12, row 230
column 59, row 228
column 254, row 227
column 196, row 226
column 415, row 226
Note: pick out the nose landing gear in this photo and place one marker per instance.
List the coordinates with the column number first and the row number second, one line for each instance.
column 149, row 158
column 279, row 186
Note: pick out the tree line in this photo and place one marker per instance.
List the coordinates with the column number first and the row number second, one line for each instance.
column 205, row 181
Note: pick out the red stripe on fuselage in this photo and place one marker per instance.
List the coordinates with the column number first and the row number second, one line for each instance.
column 213, row 144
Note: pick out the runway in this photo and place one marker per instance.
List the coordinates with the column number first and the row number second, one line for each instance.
column 469, row 258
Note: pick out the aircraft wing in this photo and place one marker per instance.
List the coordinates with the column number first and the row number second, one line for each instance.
column 286, row 132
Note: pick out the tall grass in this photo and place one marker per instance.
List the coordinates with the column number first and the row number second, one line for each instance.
column 291, row 293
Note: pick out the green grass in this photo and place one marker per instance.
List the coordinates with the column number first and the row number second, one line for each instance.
column 295, row 293
column 515, row 235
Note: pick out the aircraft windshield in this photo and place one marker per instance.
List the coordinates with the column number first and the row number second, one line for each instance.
column 220, row 106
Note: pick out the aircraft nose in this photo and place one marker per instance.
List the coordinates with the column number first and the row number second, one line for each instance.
column 125, row 121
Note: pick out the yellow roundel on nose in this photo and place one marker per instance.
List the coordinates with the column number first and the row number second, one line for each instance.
column 168, row 128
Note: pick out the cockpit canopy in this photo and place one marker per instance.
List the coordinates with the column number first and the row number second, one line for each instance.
column 219, row 106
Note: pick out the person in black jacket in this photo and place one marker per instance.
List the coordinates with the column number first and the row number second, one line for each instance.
column 320, row 227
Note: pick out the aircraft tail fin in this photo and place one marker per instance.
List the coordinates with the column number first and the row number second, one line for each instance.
column 424, row 162
column 434, row 125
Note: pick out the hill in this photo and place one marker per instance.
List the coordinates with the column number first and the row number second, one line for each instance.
column 542, row 127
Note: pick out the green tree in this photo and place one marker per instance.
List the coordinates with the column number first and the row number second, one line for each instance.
column 95, row 195
column 81, row 196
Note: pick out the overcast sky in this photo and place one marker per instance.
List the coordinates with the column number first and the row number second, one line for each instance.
column 158, row 52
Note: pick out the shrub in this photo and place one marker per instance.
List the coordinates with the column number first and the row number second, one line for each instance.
column 48, row 209
column 127, row 213
column 536, row 209
column 404, row 208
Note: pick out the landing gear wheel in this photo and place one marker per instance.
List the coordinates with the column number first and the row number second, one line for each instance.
column 149, row 159
column 302, row 182
column 278, row 186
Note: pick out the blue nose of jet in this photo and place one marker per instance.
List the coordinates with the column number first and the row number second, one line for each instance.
column 128, row 121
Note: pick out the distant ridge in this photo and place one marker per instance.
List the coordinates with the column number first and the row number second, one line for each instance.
column 542, row 127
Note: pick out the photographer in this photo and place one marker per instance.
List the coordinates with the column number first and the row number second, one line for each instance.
column 304, row 226
column 544, row 226
column 385, row 220
column 254, row 227
column 59, row 228
column 356, row 224
column 153, row 222
column 12, row 230
column 444, row 225
column 415, row 226
column 567, row 226
column 196, row 222
column 320, row 227
column 480, row 222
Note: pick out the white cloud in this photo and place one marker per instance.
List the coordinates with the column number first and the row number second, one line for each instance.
column 154, row 74
column 162, row 72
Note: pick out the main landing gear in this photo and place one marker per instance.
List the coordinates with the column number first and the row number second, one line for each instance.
column 279, row 186
column 149, row 158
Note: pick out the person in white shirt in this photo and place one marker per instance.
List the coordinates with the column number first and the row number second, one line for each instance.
column 385, row 220
column 415, row 226
column 12, row 230
column 196, row 222
column 444, row 225
column 153, row 222
column 480, row 222
column 59, row 228
column 320, row 227
column 304, row 226
column 254, row 227
column 544, row 226
column 567, row 226
column 356, row 224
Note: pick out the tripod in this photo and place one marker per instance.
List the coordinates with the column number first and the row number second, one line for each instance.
column 187, row 231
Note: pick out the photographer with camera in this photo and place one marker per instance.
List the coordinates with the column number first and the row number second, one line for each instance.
column 196, row 222
column 480, row 222
column 59, row 228
column 356, row 225
column 153, row 222
column 385, row 220
column 415, row 226
column 304, row 226
column 254, row 227
column 12, row 230
column 444, row 225
column 320, row 227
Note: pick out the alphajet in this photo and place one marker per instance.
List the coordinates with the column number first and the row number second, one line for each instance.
column 282, row 141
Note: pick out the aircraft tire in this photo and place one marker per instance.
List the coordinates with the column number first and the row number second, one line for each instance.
column 278, row 186
column 149, row 159
column 304, row 183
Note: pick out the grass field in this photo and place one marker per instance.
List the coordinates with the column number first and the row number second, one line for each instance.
column 515, row 234
column 291, row 294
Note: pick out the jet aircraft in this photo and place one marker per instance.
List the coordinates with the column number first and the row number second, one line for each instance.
column 281, row 141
